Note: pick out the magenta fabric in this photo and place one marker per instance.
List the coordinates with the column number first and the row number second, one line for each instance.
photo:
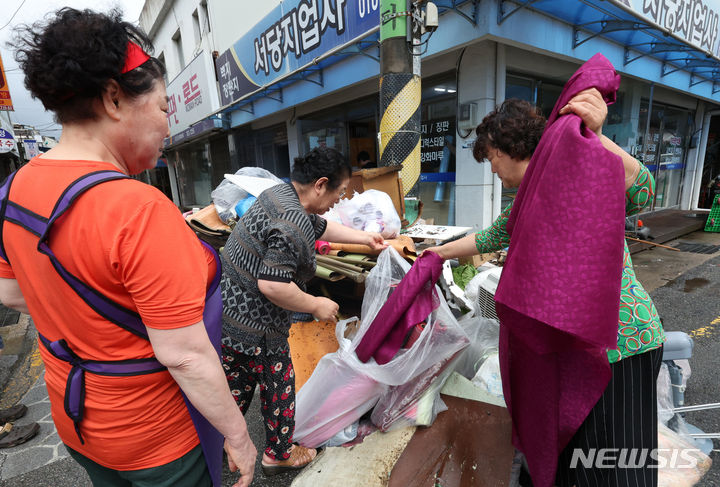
column 411, row 303
column 558, row 297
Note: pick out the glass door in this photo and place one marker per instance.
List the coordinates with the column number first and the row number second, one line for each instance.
column 664, row 150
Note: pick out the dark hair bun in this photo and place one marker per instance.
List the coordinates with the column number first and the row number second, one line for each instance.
column 321, row 162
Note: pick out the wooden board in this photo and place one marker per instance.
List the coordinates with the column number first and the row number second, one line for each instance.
column 309, row 342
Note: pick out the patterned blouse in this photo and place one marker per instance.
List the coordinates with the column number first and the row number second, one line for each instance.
column 274, row 241
column 639, row 326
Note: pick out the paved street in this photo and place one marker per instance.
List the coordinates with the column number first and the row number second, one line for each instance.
column 684, row 286
column 689, row 303
column 43, row 461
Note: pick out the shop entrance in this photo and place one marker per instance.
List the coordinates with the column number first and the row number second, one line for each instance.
column 664, row 149
column 710, row 182
column 362, row 152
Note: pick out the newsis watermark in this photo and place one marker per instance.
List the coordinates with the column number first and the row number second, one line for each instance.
column 615, row 458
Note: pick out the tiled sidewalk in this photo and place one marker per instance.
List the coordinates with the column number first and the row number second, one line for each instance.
column 42, row 450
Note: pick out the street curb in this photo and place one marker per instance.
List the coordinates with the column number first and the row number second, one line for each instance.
column 25, row 371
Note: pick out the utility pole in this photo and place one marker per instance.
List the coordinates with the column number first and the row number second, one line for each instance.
column 399, row 134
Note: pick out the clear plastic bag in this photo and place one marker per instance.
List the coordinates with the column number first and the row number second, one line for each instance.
column 228, row 194
column 342, row 388
column 681, row 463
column 484, row 335
column 335, row 396
column 441, row 338
column 416, row 403
column 371, row 211
column 664, row 395
column 488, row 376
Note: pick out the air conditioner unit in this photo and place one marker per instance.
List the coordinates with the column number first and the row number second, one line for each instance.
column 489, row 276
column 489, row 279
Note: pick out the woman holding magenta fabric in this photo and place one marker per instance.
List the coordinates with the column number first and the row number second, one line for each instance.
column 267, row 262
column 115, row 281
column 508, row 137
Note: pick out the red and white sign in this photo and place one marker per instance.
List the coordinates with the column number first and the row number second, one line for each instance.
column 5, row 100
column 191, row 97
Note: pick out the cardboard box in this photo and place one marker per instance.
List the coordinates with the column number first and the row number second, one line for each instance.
column 386, row 179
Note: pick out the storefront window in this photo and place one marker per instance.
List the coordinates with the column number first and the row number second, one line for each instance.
column 710, row 181
column 437, row 130
column 266, row 148
column 664, row 149
column 194, row 175
column 323, row 134
column 543, row 94
column 271, row 145
column 351, row 128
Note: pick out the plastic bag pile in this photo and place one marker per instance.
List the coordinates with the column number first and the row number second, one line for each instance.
column 405, row 391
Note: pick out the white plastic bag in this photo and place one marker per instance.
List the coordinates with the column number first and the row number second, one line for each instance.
column 371, row 211
column 228, row 194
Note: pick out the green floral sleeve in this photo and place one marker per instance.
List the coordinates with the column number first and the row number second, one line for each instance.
column 639, row 195
column 495, row 237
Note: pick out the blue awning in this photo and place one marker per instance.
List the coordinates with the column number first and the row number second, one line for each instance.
column 680, row 39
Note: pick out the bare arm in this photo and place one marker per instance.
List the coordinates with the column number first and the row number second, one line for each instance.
column 11, row 296
column 335, row 232
column 194, row 364
column 288, row 295
column 592, row 109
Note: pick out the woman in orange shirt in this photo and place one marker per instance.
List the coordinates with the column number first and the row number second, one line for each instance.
column 122, row 247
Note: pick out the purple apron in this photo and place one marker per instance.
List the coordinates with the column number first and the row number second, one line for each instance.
column 210, row 439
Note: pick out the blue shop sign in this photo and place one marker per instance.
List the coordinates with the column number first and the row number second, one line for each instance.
column 201, row 128
column 288, row 39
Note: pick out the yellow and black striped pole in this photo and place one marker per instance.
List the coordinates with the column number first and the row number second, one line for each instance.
column 399, row 134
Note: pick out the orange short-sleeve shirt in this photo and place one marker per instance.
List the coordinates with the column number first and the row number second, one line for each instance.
column 125, row 239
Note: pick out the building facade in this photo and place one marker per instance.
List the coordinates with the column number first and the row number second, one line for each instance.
column 292, row 75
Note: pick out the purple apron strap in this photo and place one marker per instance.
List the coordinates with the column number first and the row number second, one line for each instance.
column 4, row 192
column 211, row 439
column 75, row 384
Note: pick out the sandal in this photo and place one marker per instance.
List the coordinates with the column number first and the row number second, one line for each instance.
column 16, row 435
column 299, row 454
column 14, row 413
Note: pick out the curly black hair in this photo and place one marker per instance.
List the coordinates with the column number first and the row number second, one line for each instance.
column 514, row 127
column 69, row 60
column 321, row 162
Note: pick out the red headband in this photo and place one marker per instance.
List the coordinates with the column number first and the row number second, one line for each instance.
column 134, row 57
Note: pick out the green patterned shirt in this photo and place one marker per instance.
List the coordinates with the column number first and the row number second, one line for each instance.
column 639, row 327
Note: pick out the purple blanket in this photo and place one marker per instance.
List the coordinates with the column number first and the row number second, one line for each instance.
column 559, row 294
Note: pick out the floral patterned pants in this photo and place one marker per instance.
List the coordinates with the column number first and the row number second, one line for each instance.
column 276, row 377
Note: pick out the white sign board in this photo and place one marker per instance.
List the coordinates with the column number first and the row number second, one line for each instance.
column 191, row 95
column 31, row 148
column 437, row 232
column 695, row 21
column 7, row 141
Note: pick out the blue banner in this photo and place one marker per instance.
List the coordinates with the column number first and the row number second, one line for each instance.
column 289, row 38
